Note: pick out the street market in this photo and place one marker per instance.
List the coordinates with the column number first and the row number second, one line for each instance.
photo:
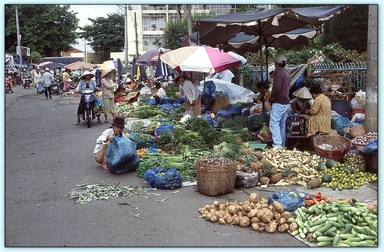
column 215, row 135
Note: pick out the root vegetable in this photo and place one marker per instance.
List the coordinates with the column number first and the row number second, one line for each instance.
column 255, row 226
column 283, row 228
column 255, row 220
column 282, row 221
column 236, row 220
column 216, row 203
column 286, row 215
column 278, row 207
column 271, row 227
column 213, row 218
column 277, row 215
column 229, row 220
column 267, row 216
column 293, row 226
column 231, row 209
column 254, row 198
column 245, row 221
column 252, row 213
column 264, row 180
column 260, row 213
column 221, row 221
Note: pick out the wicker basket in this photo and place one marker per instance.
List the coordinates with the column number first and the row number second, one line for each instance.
column 215, row 179
column 338, row 142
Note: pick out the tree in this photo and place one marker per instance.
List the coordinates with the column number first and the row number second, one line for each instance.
column 349, row 28
column 45, row 29
column 105, row 35
column 174, row 32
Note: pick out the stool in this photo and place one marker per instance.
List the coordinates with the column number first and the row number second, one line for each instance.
column 296, row 130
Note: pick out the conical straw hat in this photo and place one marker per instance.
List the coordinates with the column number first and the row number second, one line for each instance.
column 302, row 93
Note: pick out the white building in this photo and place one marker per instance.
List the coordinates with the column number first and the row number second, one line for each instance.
column 149, row 21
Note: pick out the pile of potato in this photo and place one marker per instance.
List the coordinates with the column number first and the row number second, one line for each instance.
column 252, row 212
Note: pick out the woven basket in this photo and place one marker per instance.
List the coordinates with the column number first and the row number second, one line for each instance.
column 214, row 179
column 338, row 142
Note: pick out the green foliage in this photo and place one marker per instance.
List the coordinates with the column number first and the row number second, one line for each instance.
column 203, row 128
column 349, row 28
column 45, row 29
column 174, row 32
column 105, row 35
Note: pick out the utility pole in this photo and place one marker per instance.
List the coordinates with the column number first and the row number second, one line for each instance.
column 189, row 16
column 371, row 121
column 126, row 35
column 137, row 40
column 18, row 36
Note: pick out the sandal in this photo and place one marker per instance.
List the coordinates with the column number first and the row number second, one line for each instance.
column 77, row 123
column 106, row 121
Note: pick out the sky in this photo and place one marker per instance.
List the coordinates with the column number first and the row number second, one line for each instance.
column 85, row 11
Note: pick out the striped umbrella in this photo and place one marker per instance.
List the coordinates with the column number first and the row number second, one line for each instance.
column 163, row 70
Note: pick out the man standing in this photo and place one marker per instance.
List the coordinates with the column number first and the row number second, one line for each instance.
column 279, row 101
column 47, row 83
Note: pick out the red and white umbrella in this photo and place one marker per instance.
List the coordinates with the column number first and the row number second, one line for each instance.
column 199, row 59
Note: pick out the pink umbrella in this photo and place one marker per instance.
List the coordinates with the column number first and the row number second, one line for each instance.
column 199, row 59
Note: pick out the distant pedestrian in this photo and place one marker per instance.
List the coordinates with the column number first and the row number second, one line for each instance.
column 47, row 83
column 38, row 80
column 66, row 79
column 108, row 86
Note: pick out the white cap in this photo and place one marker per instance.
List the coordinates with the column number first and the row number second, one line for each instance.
column 281, row 59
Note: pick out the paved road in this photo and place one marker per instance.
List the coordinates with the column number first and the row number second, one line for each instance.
column 47, row 156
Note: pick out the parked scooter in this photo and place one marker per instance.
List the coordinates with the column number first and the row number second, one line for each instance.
column 88, row 106
column 27, row 81
column 56, row 86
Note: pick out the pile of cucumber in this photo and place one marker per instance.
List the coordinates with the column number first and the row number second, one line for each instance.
column 337, row 224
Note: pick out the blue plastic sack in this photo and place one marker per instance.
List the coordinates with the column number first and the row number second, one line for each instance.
column 224, row 113
column 152, row 101
column 208, row 118
column 371, row 148
column 167, row 106
column 299, row 82
column 122, row 156
column 210, row 87
column 41, row 90
column 163, row 178
column 289, row 200
column 340, row 124
column 142, row 140
column 166, row 99
column 167, row 127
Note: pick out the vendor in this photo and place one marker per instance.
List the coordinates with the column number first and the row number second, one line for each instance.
column 267, row 92
column 320, row 113
column 192, row 94
column 159, row 93
column 302, row 101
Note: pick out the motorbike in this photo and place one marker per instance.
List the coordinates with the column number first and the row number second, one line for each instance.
column 27, row 82
column 88, row 112
column 56, row 86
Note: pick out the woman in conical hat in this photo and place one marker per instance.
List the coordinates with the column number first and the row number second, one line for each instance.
column 108, row 87
column 302, row 101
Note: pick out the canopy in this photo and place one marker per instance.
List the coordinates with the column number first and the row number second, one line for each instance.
column 199, row 59
column 80, row 64
column 150, row 57
column 262, row 23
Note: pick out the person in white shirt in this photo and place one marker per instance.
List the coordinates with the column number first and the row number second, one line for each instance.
column 192, row 94
column 159, row 93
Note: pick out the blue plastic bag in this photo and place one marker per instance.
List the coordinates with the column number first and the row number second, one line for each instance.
column 122, row 156
column 167, row 127
column 41, row 90
column 163, row 178
column 371, row 148
column 289, row 200
column 210, row 87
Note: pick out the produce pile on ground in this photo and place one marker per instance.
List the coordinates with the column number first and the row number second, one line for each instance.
column 336, row 223
column 192, row 138
column 253, row 213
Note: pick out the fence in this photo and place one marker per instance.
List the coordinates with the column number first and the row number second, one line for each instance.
column 358, row 69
